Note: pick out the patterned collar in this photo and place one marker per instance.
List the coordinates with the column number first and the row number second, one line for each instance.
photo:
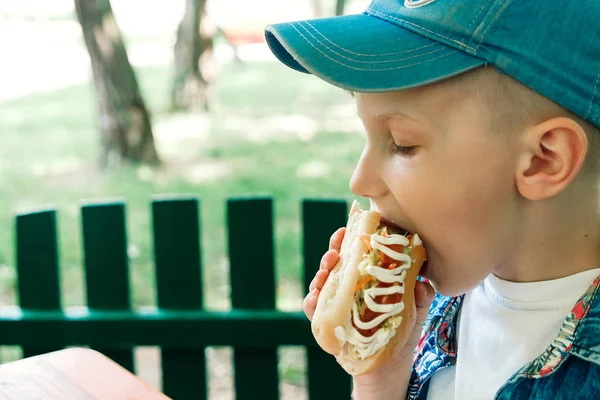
column 587, row 338
column 578, row 335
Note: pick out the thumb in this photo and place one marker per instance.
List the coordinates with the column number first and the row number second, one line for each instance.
column 424, row 294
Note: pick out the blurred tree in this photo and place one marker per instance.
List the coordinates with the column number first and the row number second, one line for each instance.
column 193, row 59
column 339, row 7
column 317, row 7
column 125, row 127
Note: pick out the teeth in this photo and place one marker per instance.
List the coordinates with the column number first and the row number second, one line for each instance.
column 417, row 240
column 391, row 224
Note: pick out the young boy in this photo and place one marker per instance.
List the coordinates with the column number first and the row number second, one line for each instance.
column 481, row 119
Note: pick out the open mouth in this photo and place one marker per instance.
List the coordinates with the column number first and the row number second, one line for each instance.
column 398, row 229
column 395, row 228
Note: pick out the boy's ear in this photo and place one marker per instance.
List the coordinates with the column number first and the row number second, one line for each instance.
column 552, row 156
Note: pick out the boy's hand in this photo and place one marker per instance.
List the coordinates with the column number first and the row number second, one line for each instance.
column 330, row 258
column 391, row 380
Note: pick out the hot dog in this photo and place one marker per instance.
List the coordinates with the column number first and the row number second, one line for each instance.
column 367, row 303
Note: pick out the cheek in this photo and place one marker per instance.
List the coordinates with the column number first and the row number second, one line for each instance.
column 462, row 207
column 465, row 196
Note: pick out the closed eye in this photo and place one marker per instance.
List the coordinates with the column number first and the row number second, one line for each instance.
column 404, row 150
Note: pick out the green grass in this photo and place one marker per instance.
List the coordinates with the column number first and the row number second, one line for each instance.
column 49, row 144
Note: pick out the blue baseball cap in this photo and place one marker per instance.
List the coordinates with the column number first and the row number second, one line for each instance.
column 551, row 46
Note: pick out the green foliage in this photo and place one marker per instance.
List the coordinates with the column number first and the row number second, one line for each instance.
column 270, row 131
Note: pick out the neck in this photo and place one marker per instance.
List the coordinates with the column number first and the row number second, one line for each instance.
column 555, row 238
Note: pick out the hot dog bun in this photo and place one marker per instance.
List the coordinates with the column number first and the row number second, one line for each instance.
column 340, row 294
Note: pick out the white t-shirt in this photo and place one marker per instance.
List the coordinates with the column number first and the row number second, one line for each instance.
column 502, row 326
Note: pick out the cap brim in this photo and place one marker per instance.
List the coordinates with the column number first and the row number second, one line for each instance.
column 365, row 54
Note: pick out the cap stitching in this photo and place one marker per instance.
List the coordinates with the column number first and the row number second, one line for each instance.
column 476, row 17
column 382, row 14
column 441, row 48
column 491, row 23
column 372, row 69
column 593, row 96
column 366, row 55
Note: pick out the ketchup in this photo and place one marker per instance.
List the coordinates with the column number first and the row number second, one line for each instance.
column 368, row 314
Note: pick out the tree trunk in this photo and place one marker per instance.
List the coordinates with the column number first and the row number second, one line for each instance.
column 125, row 127
column 317, row 7
column 193, row 59
column 339, row 7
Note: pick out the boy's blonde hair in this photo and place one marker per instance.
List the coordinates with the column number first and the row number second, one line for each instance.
column 513, row 106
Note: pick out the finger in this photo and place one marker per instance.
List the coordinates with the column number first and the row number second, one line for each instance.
column 310, row 304
column 319, row 280
column 329, row 259
column 335, row 242
column 424, row 294
column 312, row 284
column 318, row 277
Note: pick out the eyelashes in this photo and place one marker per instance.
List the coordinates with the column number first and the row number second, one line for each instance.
column 403, row 150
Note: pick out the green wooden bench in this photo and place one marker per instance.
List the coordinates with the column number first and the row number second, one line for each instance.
column 180, row 326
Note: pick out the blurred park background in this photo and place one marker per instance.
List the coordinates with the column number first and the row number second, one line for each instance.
column 175, row 108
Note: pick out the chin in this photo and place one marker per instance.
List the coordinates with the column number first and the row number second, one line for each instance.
column 446, row 290
column 446, row 284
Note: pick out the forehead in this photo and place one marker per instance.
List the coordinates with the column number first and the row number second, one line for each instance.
column 434, row 101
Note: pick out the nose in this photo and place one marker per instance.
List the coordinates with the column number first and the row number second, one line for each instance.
column 366, row 180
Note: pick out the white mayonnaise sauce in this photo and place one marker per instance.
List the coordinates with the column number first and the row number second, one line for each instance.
column 367, row 346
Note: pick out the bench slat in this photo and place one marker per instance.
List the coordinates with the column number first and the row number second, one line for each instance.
column 174, row 329
column 180, row 326
column 326, row 379
column 37, row 266
column 179, row 286
column 106, row 265
column 252, row 264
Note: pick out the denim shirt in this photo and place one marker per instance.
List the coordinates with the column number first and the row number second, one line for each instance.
column 568, row 369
